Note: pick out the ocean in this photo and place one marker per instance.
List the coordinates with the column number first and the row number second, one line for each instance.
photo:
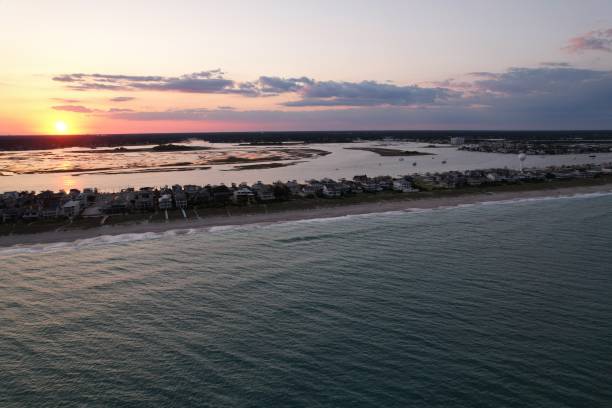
column 492, row 305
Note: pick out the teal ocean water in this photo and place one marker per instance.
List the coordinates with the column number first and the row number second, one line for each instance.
column 491, row 305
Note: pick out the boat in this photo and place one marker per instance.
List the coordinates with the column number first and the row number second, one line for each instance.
column 414, row 164
column 443, row 161
column 592, row 156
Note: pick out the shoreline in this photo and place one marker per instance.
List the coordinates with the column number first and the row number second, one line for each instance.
column 331, row 211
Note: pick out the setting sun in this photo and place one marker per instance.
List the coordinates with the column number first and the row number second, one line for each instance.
column 61, row 126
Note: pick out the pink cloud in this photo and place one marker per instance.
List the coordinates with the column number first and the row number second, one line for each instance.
column 598, row 40
column 73, row 108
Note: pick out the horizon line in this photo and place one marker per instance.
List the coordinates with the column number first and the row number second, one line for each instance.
column 310, row 131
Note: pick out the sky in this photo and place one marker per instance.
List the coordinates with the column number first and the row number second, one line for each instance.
column 194, row 66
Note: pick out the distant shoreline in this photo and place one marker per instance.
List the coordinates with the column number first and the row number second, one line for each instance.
column 43, row 142
column 332, row 210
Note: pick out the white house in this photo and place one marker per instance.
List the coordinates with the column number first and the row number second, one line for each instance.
column 72, row 208
column 403, row 185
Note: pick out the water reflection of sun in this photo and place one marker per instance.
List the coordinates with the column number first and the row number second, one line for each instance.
column 66, row 164
column 68, row 182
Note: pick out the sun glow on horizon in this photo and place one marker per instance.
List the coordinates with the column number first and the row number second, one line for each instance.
column 61, row 127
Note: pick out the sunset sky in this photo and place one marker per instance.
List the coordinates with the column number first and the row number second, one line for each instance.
column 160, row 66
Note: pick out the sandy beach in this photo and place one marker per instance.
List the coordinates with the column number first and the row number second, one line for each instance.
column 335, row 210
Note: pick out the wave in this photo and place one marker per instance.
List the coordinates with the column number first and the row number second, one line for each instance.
column 103, row 240
column 92, row 242
column 342, row 217
column 549, row 198
column 511, row 201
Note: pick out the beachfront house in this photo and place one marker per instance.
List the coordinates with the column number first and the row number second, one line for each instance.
column 384, row 182
column 192, row 194
column 117, row 205
column 403, row 185
column 349, row 186
column 263, row 192
column 294, row 187
column 243, row 195
column 199, row 197
column 144, row 199
column 331, row 191
column 88, row 196
column 9, row 214
column 165, row 202
column 371, row 187
column 72, row 208
column 74, row 193
column 221, row 194
column 31, row 213
column 180, row 199
column 316, row 186
column 52, row 209
column 307, row 191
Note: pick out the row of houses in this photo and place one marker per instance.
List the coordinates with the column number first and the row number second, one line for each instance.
column 29, row 206
column 536, row 148
column 215, row 195
column 474, row 178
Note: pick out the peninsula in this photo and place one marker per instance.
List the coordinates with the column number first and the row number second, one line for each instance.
column 27, row 217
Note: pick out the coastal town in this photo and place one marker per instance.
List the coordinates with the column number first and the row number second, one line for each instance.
column 533, row 147
column 30, row 207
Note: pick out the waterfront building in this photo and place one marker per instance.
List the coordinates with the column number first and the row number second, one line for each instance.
column 72, row 208
column 165, row 202
column 180, row 199
column 143, row 199
column 263, row 192
column 457, row 140
column 29, row 206
column 243, row 195
column 404, row 185
column 331, row 191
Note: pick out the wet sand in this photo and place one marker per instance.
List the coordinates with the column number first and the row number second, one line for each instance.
column 407, row 204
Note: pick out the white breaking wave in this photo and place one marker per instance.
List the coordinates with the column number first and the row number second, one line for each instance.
column 105, row 240
column 549, row 198
column 511, row 201
column 92, row 242
column 341, row 217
